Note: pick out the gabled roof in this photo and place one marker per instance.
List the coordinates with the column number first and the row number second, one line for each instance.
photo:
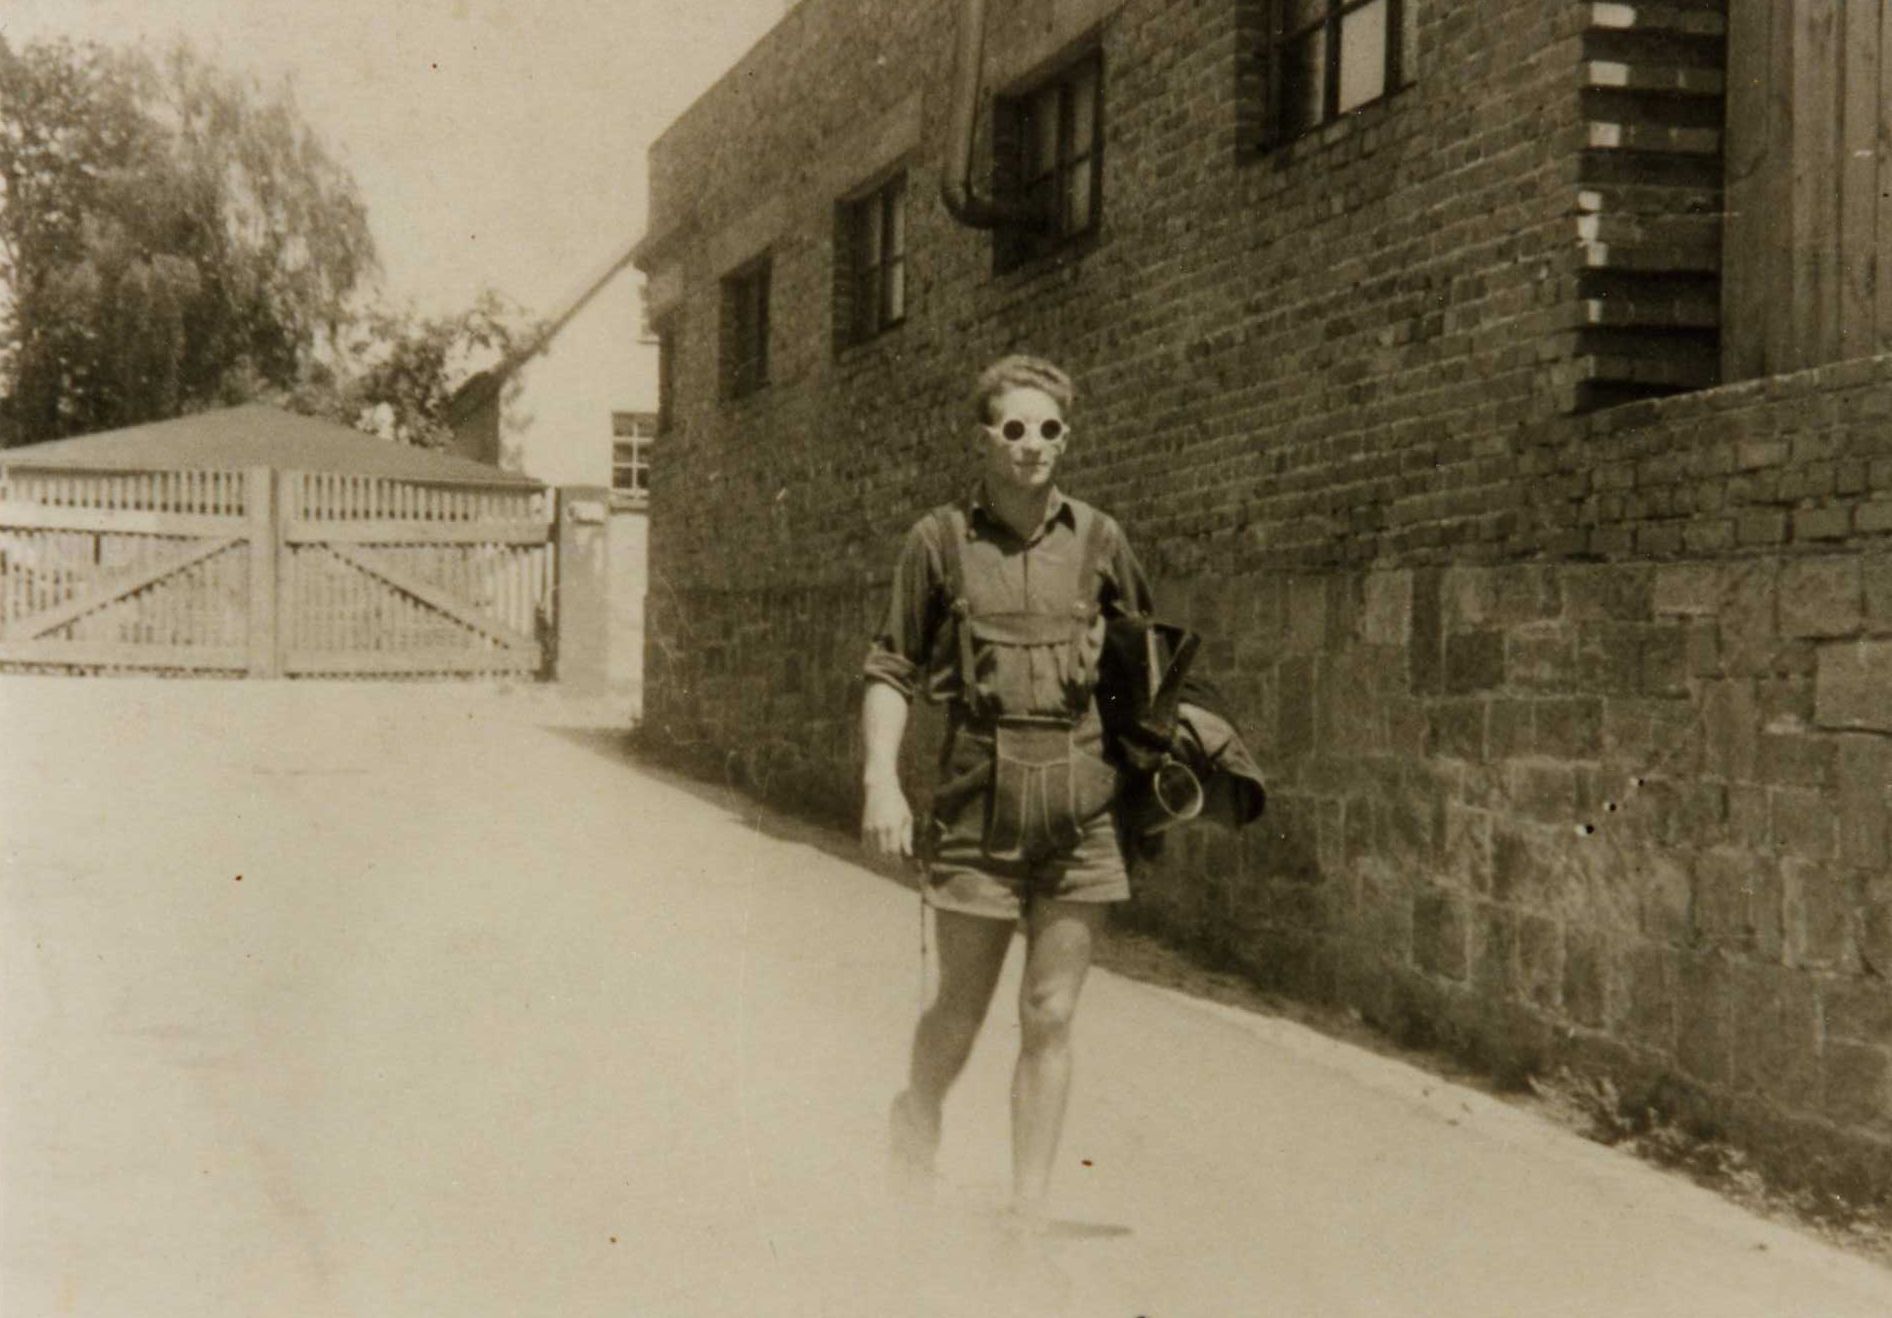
column 480, row 387
column 255, row 435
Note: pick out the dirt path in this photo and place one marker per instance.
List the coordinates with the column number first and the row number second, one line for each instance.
column 357, row 1000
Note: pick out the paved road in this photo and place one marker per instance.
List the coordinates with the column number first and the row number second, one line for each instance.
column 384, row 1001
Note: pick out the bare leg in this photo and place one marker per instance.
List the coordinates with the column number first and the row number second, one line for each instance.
column 971, row 954
column 1059, row 938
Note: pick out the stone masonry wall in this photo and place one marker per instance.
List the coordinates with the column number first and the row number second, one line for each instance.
column 1618, row 799
column 1572, row 723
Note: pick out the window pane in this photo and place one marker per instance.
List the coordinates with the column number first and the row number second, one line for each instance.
column 1043, row 146
column 869, row 213
column 624, row 467
column 1299, row 15
column 867, row 303
column 1363, row 55
column 895, row 285
column 1042, row 197
column 1303, row 82
column 1083, row 109
column 1077, row 197
column 896, row 237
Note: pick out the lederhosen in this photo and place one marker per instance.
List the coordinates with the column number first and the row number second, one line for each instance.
column 1037, row 776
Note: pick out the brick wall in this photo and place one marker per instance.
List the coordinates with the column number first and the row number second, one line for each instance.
column 1565, row 716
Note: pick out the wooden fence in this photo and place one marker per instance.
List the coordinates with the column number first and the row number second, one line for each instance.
column 261, row 573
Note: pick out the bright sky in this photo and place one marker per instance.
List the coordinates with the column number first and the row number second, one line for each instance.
column 496, row 141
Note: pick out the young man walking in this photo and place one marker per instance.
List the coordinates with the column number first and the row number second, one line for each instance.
column 999, row 606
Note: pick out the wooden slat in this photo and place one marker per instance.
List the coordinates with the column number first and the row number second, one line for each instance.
column 1882, row 295
column 386, row 531
column 1816, row 173
column 291, row 490
column 259, row 499
column 1680, row 311
column 107, row 654
column 1671, row 139
column 1744, row 234
column 1782, row 224
column 1663, row 19
column 1859, row 176
column 430, row 595
column 121, row 491
column 113, row 589
column 41, row 517
column 1653, row 76
column 442, row 660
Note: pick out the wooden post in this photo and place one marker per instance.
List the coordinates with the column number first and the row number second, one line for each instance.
column 259, row 505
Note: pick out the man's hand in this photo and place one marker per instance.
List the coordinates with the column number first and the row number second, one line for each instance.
column 886, row 821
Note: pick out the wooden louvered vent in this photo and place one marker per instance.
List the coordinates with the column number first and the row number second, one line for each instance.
column 1649, row 200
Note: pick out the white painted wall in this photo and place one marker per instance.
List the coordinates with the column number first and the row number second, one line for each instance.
column 556, row 425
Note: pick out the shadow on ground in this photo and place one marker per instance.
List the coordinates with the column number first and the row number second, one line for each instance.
column 619, row 745
column 1143, row 957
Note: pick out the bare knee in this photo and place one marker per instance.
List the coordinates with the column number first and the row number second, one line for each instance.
column 1044, row 1020
column 951, row 1024
column 955, row 1016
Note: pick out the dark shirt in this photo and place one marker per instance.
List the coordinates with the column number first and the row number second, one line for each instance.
column 1003, row 572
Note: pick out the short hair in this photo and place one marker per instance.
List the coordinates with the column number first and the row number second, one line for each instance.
column 1020, row 372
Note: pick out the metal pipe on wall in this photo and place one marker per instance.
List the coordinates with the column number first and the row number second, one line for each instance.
column 964, row 202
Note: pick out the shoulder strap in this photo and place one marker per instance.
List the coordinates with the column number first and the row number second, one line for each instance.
column 1097, row 545
column 950, row 519
column 1085, row 608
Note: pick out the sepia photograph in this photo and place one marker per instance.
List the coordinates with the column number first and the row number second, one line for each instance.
column 946, row 659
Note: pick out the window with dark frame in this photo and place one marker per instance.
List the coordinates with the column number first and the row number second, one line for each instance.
column 1328, row 58
column 746, row 330
column 632, row 434
column 871, row 292
column 1051, row 159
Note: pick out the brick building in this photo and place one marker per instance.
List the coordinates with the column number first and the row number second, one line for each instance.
column 1495, row 386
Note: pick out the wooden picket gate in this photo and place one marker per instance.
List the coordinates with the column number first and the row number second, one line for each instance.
column 299, row 574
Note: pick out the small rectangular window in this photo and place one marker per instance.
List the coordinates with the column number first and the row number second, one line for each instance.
column 632, row 434
column 746, row 330
column 1051, row 160
column 871, row 247
column 1328, row 58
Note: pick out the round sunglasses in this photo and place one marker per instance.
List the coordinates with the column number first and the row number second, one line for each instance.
column 1050, row 429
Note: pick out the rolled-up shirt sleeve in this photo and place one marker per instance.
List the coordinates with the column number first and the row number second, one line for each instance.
column 898, row 654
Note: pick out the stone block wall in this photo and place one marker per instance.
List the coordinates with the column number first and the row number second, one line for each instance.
column 1618, row 796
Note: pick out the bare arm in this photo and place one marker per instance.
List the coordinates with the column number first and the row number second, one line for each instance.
column 886, row 819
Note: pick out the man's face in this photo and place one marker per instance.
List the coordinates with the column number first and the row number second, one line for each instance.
column 1023, row 441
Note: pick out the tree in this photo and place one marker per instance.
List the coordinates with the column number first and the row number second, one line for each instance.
column 400, row 370
column 171, row 237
